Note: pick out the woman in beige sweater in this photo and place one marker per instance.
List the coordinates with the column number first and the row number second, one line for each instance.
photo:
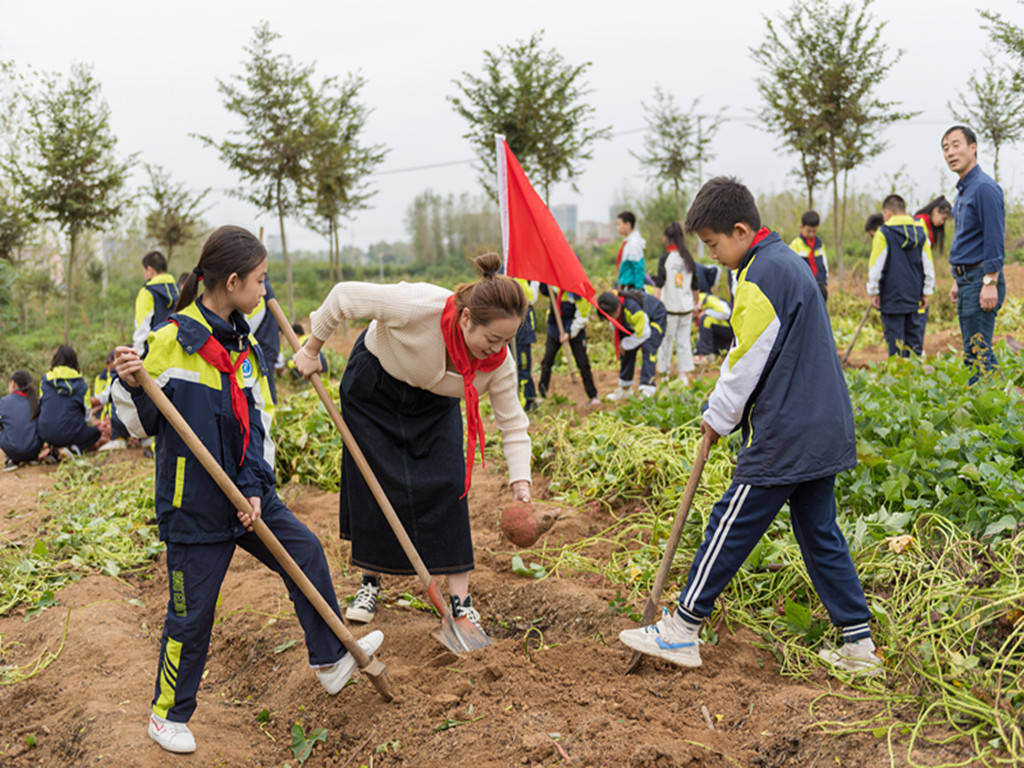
column 424, row 350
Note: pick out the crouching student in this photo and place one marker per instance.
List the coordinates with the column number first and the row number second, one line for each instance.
column 714, row 333
column 643, row 317
column 103, row 407
column 19, row 430
column 901, row 277
column 214, row 373
column 782, row 384
column 64, row 407
column 574, row 310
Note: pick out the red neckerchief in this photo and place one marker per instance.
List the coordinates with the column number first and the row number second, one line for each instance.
column 762, row 233
column 466, row 365
column 618, row 334
column 618, row 259
column 214, row 353
column 927, row 219
column 810, row 255
column 671, row 247
column 19, row 392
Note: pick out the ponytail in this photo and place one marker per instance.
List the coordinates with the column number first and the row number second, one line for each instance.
column 493, row 296
column 674, row 233
column 229, row 250
column 23, row 381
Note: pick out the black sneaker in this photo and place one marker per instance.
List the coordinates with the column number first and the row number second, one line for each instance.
column 364, row 604
column 10, row 466
column 464, row 609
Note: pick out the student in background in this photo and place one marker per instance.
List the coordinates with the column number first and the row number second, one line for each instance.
column 19, row 429
column 934, row 217
column 643, row 316
column 714, row 333
column 678, row 283
column 872, row 223
column 155, row 300
column 263, row 325
column 103, row 407
column 64, row 406
column 526, row 337
column 575, row 311
column 809, row 247
column 631, row 253
column 901, row 277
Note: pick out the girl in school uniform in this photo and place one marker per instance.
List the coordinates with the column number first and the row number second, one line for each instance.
column 425, row 349
column 210, row 367
column 64, row 407
column 678, row 283
column 19, row 430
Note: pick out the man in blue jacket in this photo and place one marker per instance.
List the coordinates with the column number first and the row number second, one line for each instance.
column 901, row 277
column 783, row 386
column 978, row 249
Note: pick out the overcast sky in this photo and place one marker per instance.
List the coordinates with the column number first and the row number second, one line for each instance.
column 158, row 65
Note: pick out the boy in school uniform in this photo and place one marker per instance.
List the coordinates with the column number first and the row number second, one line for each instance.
column 782, row 384
column 714, row 334
column 901, row 277
column 155, row 300
column 644, row 317
column 631, row 253
column 574, row 310
column 808, row 246
column 872, row 224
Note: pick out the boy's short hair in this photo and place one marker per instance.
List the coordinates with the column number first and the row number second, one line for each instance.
column 299, row 330
column 720, row 205
column 628, row 217
column 873, row 222
column 810, row 219
column 608, row 303
column 967, row 132
column 894, row 204
column 155, row 260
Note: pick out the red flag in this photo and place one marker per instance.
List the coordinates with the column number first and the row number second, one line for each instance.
column 535, row 248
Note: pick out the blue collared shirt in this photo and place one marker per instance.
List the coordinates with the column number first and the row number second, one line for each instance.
column 980, row 221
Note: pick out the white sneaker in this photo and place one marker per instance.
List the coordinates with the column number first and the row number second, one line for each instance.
column 117, row 444
column 669, row 639
column 174, row 737
column 858, row 657
column 595, row 401
column 621, row 393
column 647, row 390
column 364, row 604
column 333, row 678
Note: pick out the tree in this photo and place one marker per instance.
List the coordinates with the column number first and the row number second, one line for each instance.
column 820, row 68
column 70, row 174
column 16, row 222
column 677, row 143
column 174, row 216
column 994, row 106
column 340, row 165
column 276, row 103
column 535, row 99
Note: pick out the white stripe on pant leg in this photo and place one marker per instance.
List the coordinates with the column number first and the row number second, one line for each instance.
column 715, row 547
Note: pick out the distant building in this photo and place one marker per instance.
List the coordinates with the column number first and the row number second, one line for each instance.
column 566, row 216
column 595, row 232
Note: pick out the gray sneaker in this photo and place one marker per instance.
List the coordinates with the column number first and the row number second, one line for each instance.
column 364, row 604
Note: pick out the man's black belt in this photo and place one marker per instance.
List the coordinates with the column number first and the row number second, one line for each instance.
column 962, row 269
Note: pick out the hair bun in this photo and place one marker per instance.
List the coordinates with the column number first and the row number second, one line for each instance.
column 488, row 264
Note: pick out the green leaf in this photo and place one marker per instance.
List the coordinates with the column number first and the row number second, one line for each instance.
column 263, row 716
column 284, row 646
column 302, row 745
column 45, row 601
column 797, row 617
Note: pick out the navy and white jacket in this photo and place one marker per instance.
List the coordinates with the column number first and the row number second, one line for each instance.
column 190, row 507
column 19, row 432
column 153, row 305
column 900, row 269
column 781, row 382
column 640, row 319
column 574, row 310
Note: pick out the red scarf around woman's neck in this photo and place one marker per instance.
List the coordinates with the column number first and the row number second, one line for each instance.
column 467, row 366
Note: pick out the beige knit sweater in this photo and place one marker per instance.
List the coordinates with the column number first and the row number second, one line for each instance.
column 405, row 335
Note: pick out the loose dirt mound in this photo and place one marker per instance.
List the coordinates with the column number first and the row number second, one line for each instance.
column 550, row 691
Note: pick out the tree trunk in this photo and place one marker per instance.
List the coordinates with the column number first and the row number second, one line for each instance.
column 835, row 220
column 842, row 222
column 337, row 251
column 68, row 284
column 284, row 252
column 995, row 162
